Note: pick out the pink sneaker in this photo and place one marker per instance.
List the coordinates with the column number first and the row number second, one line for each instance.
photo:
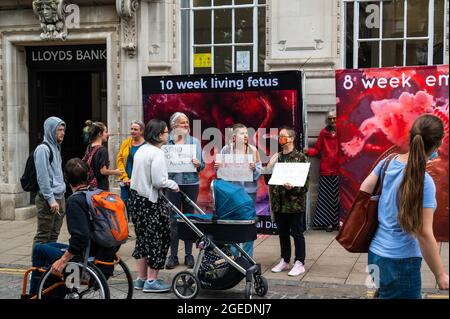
column 297, row 269
column 282, row 265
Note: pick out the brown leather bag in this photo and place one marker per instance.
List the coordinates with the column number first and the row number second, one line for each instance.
column 361, row 223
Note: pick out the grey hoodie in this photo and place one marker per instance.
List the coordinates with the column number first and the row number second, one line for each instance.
column 50, row 176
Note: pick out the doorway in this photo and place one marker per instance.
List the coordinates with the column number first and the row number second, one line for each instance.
column 72, row 96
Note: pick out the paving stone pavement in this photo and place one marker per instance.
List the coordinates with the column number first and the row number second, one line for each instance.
column 331, row 272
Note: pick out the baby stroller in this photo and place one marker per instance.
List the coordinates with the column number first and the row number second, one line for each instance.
column 232, row 222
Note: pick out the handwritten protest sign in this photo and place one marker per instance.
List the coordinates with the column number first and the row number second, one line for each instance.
column 235, row 167
column 292, row 173
column 179, row 158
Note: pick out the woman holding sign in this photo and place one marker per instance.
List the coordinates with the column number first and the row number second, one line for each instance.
column 239, row 145
column 189, row 184
column 288, row 206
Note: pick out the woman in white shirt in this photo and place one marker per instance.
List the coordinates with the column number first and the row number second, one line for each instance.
column 150, row 213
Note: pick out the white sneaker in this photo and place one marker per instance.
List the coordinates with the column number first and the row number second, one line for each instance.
column 282, row 265
column 297, row 269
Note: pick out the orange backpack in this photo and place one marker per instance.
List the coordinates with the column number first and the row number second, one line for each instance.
column 108, row 216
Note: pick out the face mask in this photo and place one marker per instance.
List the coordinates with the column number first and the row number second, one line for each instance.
column 433, row 155
column 283, row 140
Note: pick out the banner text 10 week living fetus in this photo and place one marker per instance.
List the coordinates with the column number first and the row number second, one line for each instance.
column 215, row 83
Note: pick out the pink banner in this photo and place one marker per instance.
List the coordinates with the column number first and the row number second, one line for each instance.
column 375, row 110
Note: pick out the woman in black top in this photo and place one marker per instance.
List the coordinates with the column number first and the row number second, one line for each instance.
column 97, row 158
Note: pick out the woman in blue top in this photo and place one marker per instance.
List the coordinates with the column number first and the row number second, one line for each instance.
column 405, row 215
column 239, row 145
column 188, row 183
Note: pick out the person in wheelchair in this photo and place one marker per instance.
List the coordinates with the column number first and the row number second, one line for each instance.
column 57, row 255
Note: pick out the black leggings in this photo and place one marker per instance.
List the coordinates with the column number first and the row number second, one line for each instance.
column 291, row 224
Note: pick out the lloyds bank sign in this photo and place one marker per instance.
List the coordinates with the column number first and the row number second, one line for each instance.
column 66, row 56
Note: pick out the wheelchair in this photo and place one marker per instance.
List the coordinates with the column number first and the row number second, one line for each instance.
column 120, row 282
column 80, row 281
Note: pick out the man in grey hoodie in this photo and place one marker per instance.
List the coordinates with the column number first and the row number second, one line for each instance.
column 50, row 201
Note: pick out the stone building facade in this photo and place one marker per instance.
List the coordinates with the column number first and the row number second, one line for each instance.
column 158, row 37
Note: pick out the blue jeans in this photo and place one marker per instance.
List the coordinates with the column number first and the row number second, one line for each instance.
column 124, row 193
column 398, row 278
column 43, row 256
column 247, row 246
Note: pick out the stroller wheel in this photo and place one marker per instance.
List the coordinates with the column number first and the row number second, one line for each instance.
column 185, row 285
column 248, row 290
column 261, row 286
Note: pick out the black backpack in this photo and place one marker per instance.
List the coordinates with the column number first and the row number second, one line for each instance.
column 29, row 178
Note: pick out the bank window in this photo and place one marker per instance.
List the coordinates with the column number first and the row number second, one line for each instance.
column 223, row 36
column 394, row 32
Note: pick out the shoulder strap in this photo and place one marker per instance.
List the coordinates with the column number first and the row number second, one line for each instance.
column 90, row 152
column 384, row 166
column 50, row 149
column 89, row 193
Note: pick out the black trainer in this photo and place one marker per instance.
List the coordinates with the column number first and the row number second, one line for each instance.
column 172, row 262
column 189, row 261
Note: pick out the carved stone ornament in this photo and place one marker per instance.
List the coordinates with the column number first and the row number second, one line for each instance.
column 52, row 17
column 126, row 9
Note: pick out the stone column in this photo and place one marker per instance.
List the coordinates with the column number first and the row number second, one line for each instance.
column 130, row 104
column 314, row 50
column 15, row 130
column 161, row 36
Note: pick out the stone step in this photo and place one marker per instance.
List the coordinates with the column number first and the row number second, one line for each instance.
column 26, row 212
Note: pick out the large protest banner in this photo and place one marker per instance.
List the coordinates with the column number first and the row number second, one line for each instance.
column 214, row 102
column 375, row 110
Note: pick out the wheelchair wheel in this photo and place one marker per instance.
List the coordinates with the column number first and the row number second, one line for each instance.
column 185, row 285
column 121, row 282
column 71, row 285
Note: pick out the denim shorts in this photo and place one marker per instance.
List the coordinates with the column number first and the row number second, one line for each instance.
column 398, row 278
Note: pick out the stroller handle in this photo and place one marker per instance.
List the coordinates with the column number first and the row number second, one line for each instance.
column 185, row 197
column 176, row 210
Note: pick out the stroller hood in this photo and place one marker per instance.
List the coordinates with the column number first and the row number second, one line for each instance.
column 231, row 201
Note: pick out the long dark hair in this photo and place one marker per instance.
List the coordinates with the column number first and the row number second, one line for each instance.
column 424, row 137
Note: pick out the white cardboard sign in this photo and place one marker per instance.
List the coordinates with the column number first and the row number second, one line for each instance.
column 179, row 158
column 235, row 167
column 292, row 173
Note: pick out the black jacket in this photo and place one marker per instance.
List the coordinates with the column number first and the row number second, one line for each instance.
column 80, row 227
column 78, row 223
